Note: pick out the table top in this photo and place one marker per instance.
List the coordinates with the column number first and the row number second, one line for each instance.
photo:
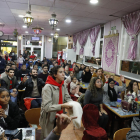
column 24, row 132
column 84, row 85
column 121, row 113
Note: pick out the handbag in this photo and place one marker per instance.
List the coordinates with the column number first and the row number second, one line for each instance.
column 126, row 106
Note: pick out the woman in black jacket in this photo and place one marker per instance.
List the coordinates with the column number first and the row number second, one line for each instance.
column 86, row 75
column 9, row 111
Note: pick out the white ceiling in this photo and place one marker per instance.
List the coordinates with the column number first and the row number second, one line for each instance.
column 81, row 12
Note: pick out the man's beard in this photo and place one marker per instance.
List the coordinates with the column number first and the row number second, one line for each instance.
column 46, row 72
column 34, row 77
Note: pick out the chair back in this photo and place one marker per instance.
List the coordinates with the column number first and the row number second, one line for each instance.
column 121, row 134
column 33, row 115
column 90, row 115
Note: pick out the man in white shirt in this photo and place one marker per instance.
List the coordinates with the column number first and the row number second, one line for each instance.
column 6, row 71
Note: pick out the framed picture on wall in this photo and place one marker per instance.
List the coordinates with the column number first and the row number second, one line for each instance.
column 70, row 46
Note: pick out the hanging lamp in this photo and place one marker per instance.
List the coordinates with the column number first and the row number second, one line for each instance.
column 28, row 19
column 53, row 21
column 56, row 35
column 37, row 30
column 50, row 39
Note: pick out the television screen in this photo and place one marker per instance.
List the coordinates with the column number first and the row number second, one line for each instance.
column 35, row 38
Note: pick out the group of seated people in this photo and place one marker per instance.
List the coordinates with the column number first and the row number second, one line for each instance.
column 48, row 84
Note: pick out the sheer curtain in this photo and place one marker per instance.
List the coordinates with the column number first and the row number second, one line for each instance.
column 124, row 45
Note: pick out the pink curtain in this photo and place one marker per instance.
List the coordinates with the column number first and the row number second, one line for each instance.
column 82, row 38
column 132, row 24
column 93, row 36
column 75, row 37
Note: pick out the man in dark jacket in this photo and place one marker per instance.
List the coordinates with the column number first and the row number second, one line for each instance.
column 44, row 74
column 34, row 87
column 2, row 64
column 23, row 71
column 10, row 83
column 25, row 54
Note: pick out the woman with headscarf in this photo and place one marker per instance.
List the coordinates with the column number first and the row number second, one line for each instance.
column 86, row 75
column 112, row 90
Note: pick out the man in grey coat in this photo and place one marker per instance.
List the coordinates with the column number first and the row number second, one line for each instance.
column 62, row 122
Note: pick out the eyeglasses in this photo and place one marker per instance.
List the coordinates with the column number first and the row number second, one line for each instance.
column 112, row 83
column 98, row 82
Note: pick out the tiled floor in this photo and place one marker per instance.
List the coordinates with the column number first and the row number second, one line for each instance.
column 70, row 134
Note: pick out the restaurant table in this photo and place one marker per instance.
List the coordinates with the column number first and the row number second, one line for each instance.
column 120, row 113
column 84, row 85
column 32, row 136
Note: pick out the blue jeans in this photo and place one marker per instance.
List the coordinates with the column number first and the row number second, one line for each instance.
column 36, row 103
column 13, row 99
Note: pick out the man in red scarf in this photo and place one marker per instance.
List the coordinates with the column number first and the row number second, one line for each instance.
column 60, row 61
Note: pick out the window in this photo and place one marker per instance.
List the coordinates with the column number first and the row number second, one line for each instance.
column 92, row 60
column 79, row 59
column 131, row 67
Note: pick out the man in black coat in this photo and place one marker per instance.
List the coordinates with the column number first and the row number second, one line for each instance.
column 34, row 87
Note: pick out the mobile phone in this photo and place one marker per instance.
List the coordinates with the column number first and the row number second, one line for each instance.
column 28, row 132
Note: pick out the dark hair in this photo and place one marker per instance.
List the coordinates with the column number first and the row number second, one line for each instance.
column 7, row 65
column 35, row 65
column 73, row 78
column 11, row 69
column 60, row 56
column 99, row 69
column 54, row 70
column 3, row 89
column 69, row 61
column 13, row 64
column 20, row 54
column 32, row 70
column 130, row 86
column 23, row 64
column 44, row 66
column 92, row 88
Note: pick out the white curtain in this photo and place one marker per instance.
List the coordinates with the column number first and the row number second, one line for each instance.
column 88, row 47
column 124, row 45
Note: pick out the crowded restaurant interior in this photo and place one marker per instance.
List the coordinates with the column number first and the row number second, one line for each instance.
column 69, row 70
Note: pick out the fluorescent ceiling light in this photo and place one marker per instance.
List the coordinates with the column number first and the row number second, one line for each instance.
column 11, row 38
column 21, row 16
column 58, row 29
column 24, row 26
column 26, row 32
column 51, row 33
column 93, row 1
column 68, row 20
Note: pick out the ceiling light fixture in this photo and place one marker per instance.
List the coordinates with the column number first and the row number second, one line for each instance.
column 68, row 20
column 56, row 35
column 51, row 33
column 26, row 32
column 93, row 1
column 24, row 26
column 53, row 21
column 21, row 16
column 49, row 39
column 20, row 37
column 28, row 19
column 58, row 29
column 37, row 30
column 15, row 33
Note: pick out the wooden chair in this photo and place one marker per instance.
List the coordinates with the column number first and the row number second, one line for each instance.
column 32, row 116
column 121, row 134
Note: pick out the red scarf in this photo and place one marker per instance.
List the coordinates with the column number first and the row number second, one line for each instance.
column 51, row 81
column 10, row 84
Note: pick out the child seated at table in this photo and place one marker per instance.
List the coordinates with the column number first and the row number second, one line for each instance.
column 74, row 87
column 68, row 80
column 9, row 111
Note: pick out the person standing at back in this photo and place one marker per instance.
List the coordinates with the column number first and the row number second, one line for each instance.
column 2, row 63
column 32, row 56
column 60, row 61
column 25, row 54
